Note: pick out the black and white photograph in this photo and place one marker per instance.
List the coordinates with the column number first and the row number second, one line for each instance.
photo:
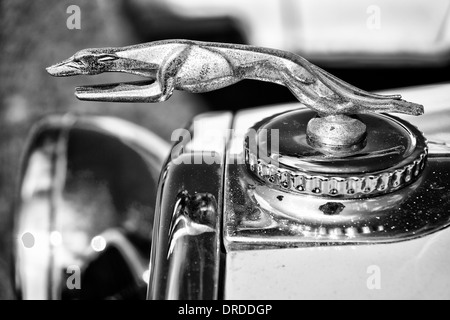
column 231, row 153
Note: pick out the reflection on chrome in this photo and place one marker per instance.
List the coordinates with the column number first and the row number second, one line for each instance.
column 192, row 216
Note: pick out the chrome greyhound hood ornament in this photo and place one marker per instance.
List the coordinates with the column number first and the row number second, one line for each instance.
column 344, row 147
column 205, row 66
column 337, row 150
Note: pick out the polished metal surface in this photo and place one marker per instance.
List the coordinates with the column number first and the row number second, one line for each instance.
column 79, row 208
column 393, row 156
column 186, row 253
column 259, row 216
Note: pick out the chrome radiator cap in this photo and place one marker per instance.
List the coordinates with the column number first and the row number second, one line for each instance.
column 281, row 152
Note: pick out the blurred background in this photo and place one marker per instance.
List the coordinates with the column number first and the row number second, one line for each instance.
column 375, row 45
